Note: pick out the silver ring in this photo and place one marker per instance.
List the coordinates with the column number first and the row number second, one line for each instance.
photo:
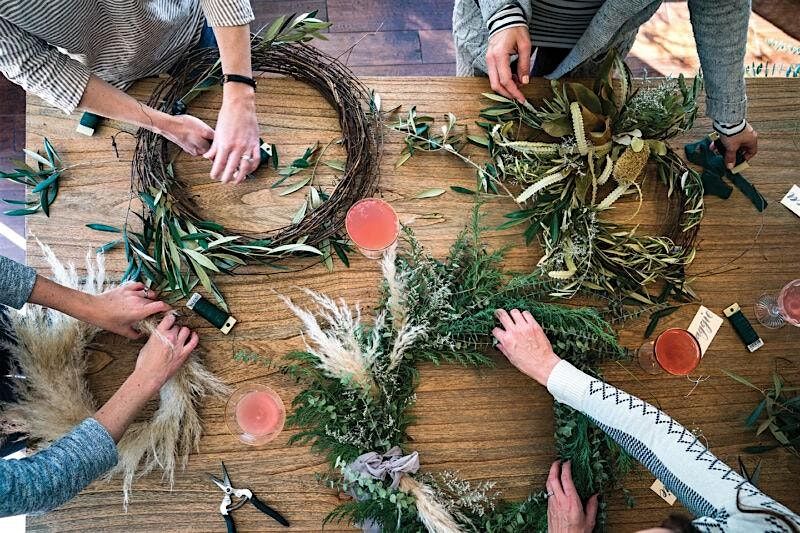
column 247, row 158
column 146, row 292
column 549, row 493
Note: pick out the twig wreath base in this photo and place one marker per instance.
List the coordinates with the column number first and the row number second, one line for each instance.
column 360, row 380
column 49, row 349
column 177, row 248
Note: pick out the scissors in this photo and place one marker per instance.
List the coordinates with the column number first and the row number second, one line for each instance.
column 235, row 498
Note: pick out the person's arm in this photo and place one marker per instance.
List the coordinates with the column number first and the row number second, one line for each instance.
column 16, row 282
column 54, row 475
column 507, row 26
column 705, row 485
column 235, row 150
column 117, row 310
column 720, row 31
column 101, row 98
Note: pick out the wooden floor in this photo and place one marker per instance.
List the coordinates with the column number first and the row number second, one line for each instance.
column 488, row 424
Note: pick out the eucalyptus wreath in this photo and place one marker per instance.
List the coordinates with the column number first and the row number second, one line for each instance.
column 177, row 248
column 360, row 380
column 572, row 159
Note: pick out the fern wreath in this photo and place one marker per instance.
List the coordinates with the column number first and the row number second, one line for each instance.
column 360, row 380
column 177, row 248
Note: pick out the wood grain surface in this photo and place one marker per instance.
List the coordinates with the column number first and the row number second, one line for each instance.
column 488, row 424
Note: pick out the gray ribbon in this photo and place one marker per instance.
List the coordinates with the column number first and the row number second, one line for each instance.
column 378, row 466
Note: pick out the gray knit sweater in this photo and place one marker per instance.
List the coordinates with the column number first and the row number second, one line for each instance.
column 16, row 283
column 720, row 31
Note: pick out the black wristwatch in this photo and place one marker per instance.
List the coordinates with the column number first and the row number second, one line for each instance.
column 237, row 79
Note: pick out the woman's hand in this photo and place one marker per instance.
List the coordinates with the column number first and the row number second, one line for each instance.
column 166, row 350
column 190, row 133
column 746, row 141
column 119, row 310
column 524, row 343
column 502, row 45
column 565, row 512
column 235, row 150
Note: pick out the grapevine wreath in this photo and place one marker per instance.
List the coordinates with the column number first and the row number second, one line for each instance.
column 177, row 248
column 572, row 159
column 360, row 380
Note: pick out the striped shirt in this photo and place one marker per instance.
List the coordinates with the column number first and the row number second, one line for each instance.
column 560, row 24
column 51, row 47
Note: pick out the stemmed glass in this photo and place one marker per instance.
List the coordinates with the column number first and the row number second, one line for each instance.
column 773, row 311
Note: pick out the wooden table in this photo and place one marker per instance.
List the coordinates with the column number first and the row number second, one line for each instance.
column 488, row 424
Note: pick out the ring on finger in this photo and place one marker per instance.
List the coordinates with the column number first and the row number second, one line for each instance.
column 247, row 158
column 146, row 292
column 549, row 493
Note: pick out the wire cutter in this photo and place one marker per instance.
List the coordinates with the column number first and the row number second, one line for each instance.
column 235, row 498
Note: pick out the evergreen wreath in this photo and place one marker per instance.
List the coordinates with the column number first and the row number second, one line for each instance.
column 176, row 248
column 360, row 381
column 572, row 159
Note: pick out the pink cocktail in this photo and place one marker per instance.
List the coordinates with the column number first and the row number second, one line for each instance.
column 789, row 302
column 373, row 226
column 255, row 414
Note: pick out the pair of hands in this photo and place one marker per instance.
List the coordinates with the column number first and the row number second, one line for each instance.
column 233, row 146
column 517, row 41
column 523, row 341
column 119, row 310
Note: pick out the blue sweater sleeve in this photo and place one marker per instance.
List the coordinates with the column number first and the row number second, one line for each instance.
column 47, row 479
column 16, row 282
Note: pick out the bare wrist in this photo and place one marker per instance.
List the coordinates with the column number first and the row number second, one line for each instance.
column 238, row 92
column 143, row 385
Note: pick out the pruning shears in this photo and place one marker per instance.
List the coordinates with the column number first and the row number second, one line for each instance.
column 235, row 498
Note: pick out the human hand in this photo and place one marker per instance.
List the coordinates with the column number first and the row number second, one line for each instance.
column 166, row 350
column 746, row 141
column 235, row 150
column 565, row 512
column 525, row 344
column 190, row 133
column 118, row 310
column 503, row 45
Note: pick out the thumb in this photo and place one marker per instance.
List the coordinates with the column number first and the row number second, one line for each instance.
column 591, row 509
column 730, row 156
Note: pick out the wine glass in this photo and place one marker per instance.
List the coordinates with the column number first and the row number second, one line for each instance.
column 675, row 350
column 773, row 311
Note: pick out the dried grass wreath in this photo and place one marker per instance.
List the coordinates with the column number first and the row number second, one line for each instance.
column 50, row 351
column 177, row 248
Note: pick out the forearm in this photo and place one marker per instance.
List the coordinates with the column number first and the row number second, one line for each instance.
column 71, row 302
column 102, row 98
column 704, row 484
column 234, row 53
column 123, row 407
column 52, row 476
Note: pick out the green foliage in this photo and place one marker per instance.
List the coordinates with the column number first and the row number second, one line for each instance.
column 454, row 300
column 778, row 412
column 43, row 183
column 574, row 157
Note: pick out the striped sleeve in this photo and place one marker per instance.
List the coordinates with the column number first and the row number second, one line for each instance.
column 227, row 12
column 40, row 68
column 708, row 487
column 508, row 16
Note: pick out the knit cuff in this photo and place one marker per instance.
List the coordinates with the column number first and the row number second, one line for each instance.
column 509, row 16
column 227, row 12
column 729, row 129
column 567, row 384
column 726, row 111
column 16, row 282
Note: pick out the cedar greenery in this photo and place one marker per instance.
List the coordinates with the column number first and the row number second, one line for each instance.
column 175, row 248
column 572, row 158
column 439, row 311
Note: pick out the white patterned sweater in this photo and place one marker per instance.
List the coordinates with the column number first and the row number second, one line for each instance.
column 705, row 485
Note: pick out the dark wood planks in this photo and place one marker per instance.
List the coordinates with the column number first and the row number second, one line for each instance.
column 489, row 424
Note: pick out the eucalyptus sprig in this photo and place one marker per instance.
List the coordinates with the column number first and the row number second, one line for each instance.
column 44, row 182
column 576, row 155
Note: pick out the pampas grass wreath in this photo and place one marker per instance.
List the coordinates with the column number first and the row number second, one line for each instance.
column 49, row 349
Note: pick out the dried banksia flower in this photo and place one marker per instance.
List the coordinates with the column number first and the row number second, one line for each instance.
column 630, row 165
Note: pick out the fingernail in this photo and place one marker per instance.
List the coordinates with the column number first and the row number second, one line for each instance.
column 526, row 79
column 730, row 166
